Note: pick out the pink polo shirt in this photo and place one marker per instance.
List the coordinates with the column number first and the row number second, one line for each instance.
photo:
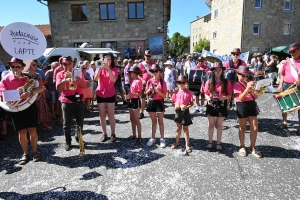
column 163, row 88
column 238, row 89
column 286, row 71
column 135, row 87
column 227, row 65
column 218, row 89
column 184, row 97
column 145, row 75
column 10, row 82
column 67, row 92
column 106, row 88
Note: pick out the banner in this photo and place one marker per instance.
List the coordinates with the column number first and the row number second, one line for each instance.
column 23, row 41
column 243, row 56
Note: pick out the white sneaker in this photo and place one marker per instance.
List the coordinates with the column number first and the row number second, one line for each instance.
column 201, row 109
column 195, row 111
column 151, row 142
column 162, row 143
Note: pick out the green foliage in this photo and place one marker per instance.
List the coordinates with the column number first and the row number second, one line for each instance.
column 177, row 44
column 203, row 43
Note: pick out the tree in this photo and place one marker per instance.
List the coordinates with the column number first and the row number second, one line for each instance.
column 177, row 44
column 203, row 43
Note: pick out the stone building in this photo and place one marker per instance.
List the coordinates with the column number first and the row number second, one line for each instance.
column 44, row 28
column 117, row 24
column 200, row 28
column 252, row 25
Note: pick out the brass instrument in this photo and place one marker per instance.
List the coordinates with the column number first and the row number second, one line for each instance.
column 72, row 86
column 81, row 142
column 261, row 90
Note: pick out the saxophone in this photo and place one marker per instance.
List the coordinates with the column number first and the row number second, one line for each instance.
column 81, row 142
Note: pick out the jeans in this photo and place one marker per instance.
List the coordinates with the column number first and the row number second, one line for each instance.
column 68, row 110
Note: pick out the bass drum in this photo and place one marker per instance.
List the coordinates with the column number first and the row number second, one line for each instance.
column 231, row 74
column 22, row 105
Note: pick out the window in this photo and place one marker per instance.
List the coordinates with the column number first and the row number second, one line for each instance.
column 287, row 29
column 216, row 13
column 107, row 11
column 136, row 10
column 257, row 4
column 193, row 44
column 288, row 5
column 196, row 37
column 199, row 36
column 256, row 28
column 79, row 12
column 215, row 51
column 215, row 35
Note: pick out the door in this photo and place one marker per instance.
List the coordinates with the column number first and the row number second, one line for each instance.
column 134, row 46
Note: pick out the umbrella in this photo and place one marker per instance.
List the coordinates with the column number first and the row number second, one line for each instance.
column 281, row 49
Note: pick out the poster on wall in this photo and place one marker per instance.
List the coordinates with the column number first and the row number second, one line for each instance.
column 112, row 45
column 156, row 44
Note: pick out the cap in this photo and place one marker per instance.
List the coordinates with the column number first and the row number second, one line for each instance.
column 169, row 62
column 17, row 60
column 236, row 50
column 154, row 67
column 66, row 59
column 148, row 53
column 135, row 68
column 294, row 46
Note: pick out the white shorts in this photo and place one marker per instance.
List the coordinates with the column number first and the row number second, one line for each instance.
column 170, row 86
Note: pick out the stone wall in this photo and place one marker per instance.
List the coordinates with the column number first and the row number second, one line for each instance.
column 199, row 29
column 272, row 17
column 66, row 32
column 4, row 57
column 228, row 25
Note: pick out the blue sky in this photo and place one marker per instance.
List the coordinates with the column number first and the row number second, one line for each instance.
column 182, row 13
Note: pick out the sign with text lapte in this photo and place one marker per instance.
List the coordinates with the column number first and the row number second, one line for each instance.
column 23, row 41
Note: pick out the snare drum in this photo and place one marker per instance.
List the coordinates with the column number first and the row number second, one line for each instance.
column 288, row 100
column 231, row 74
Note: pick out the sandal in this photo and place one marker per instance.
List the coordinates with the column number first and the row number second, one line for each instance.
column 174, row 146
column 242, row 151
column 188, row 149
column 24, row 159
column 219, row 150
column 132, row 137
column 256, row 153
column 47, row 128
column 104, row 137
column 36, row 157
column 209, row 148
column 138, row 141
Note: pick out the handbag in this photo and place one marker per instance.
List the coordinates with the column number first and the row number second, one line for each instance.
column 256, row 106
column 259, row 73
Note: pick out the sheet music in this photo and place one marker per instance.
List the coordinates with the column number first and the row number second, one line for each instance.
column 270, row 89
column 11, row 95
column 77, row 72
column 263, row 83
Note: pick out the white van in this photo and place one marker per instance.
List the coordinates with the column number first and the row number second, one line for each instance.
column 53, row 54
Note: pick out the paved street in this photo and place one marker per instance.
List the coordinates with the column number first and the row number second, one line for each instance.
column 123, row 170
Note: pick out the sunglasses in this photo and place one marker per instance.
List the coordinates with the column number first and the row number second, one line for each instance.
column 17, row 67
column 154, row 71
column 243, row 75
column 181, row 83
column 65, row 64
column 34, row 65
column 293, row 51
column 235, row 54
column 147, row 56
column 84, row 68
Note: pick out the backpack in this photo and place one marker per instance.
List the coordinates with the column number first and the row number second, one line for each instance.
column 232, row 65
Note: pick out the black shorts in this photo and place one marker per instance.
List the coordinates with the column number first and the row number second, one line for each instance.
column 143, row 91
column 127, row 88
column 218, row 110
column 2, row 114
column 106, row 100
column 196, row 92
column 134, row 104
column 183, row 117
column 155, row 106
column 27, row 118
column 246, row 109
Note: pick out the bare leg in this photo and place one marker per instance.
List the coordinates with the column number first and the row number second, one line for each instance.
column 23, row 140
column 253, row 127
column 154, row 123
column 160, row 117
column 219, row 129
column 143, row 103
column 102, row 115
column 137, row 122
column 186, row 136
column 33, row 139
column 178, row 133
column 111, row 116
column 202, row 99
column 211, row 127
column 133, row 124
column 242, row 130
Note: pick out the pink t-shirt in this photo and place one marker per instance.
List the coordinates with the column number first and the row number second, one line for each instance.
column 145, row 75
column 106, row 88
column 163, row 88
column 56, row 70
column 238, row 89
column 286, row 71
column 227, row 65
column 218, row 89
column 136, row 86
column 10, row 82
column 79, row 90
column 184, row 97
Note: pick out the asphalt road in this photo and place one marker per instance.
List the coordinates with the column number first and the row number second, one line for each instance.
column 123, row 170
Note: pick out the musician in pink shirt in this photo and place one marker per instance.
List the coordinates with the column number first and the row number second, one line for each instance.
column 183, row 100
column 144, row 77
column 156, row 89
column 71, row 99
column 235, row 62
column 245, row 96
column 291, row 74
column 106, row 77
column 217, row 91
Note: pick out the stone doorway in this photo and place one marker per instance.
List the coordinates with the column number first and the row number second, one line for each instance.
column 134, row 45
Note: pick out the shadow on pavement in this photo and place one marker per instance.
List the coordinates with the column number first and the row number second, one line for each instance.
column 53, row 194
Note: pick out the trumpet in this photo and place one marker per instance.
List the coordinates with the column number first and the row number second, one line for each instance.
column 261, row 90
column 72, row 86
column 81, row 142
